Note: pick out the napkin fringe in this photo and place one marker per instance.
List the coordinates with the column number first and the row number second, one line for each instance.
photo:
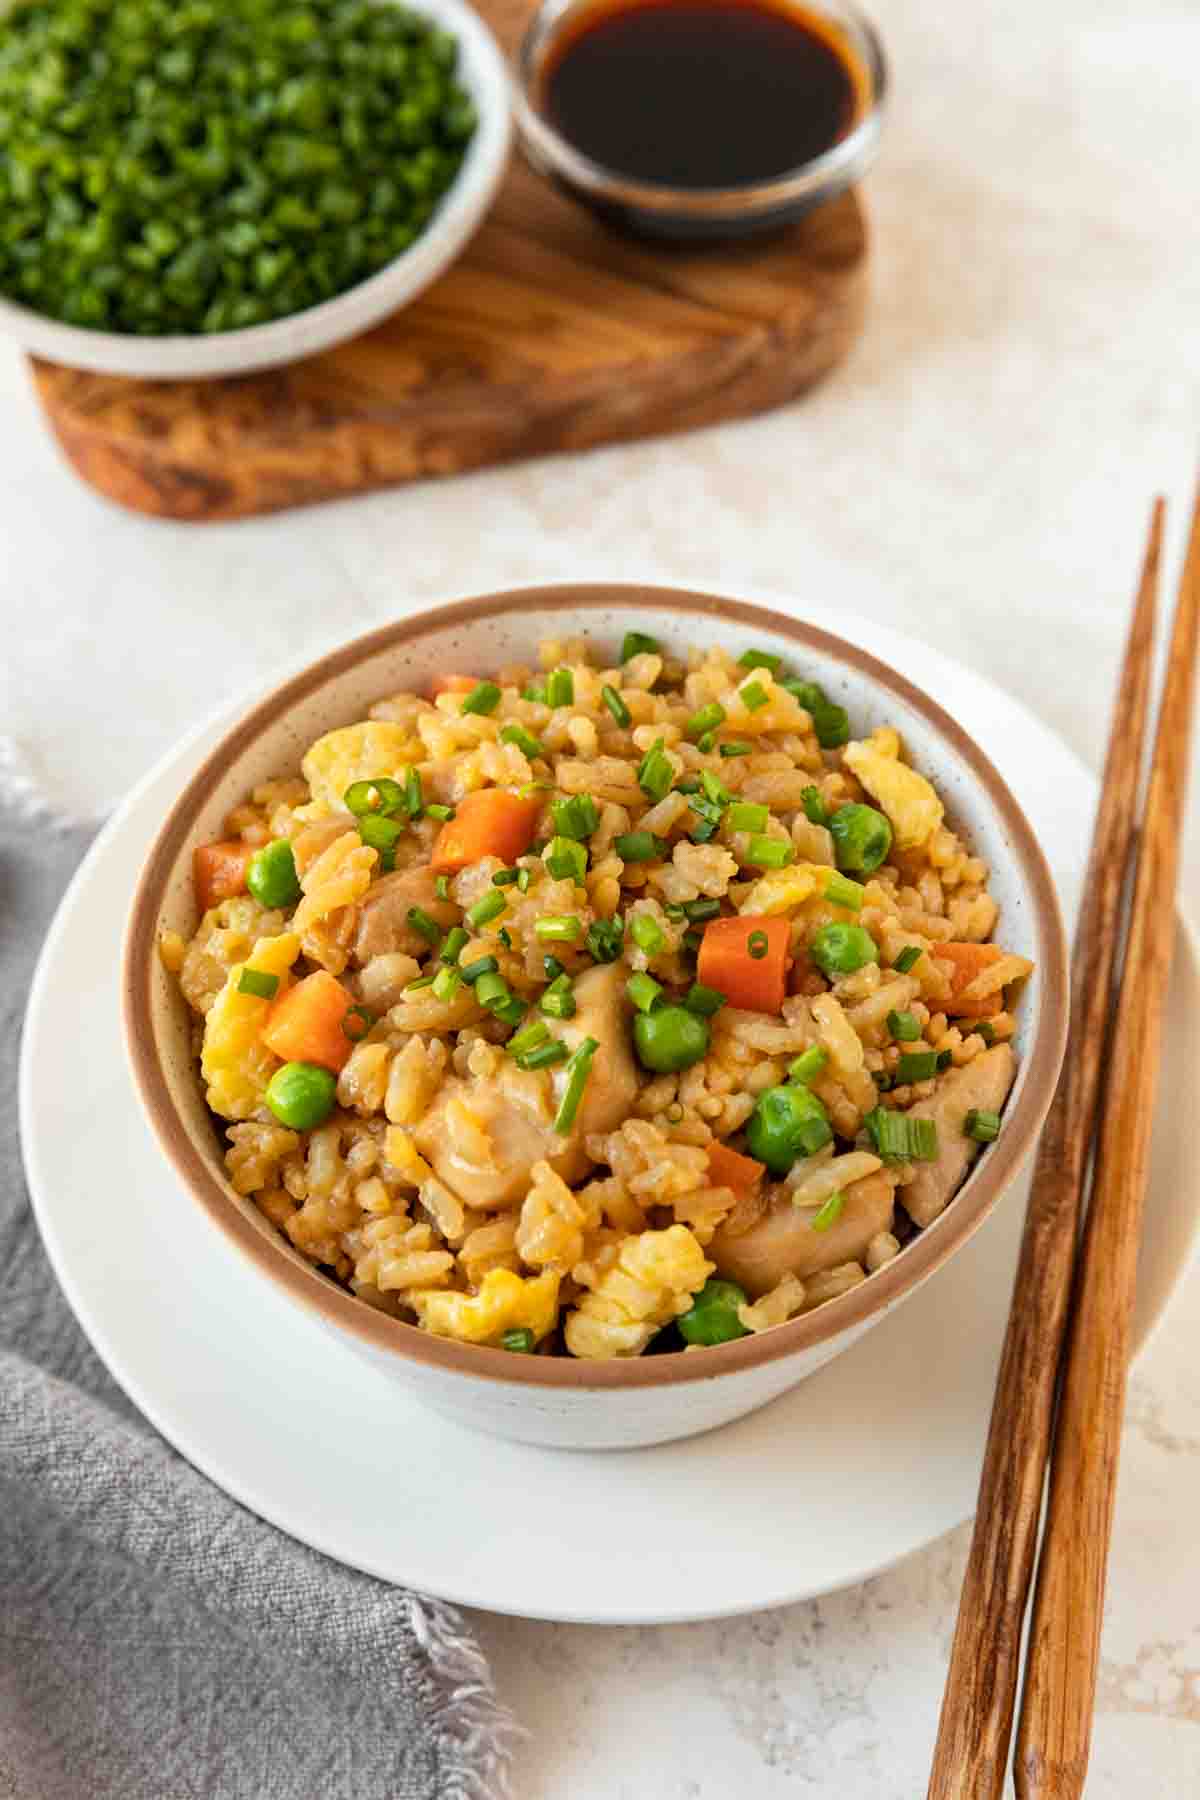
column 476, row 1733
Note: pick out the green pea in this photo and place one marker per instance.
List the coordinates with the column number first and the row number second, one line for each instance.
column 670, row 1038
column 841, row 949
column 787, row 1122
column 862, row 838
column 712, row 1317
column 271, row 876
column 301, row 1095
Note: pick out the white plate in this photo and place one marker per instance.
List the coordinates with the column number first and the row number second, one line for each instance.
column 483, row 72
column 867, row 1461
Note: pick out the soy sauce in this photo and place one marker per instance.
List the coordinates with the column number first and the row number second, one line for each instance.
column 699, row 93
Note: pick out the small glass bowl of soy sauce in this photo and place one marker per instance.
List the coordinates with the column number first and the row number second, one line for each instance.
column 700, row 119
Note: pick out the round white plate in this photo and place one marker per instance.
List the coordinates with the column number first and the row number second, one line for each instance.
column 868, row 1460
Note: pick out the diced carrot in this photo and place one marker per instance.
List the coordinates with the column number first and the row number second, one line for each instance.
column 728, row 963
column 305, row 1023
column 489, row 822
column 452, row 684
column 730, row 1169
column 969, row 960
column 219, row 871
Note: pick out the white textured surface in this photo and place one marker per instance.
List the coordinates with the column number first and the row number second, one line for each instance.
column 982, row 469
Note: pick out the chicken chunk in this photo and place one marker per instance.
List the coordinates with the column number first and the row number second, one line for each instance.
column 783, row 1241
column 482, row 1137
column 383, row 925
column 983, row 1083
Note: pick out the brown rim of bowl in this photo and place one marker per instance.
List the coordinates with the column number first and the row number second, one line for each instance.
column 377, row 1331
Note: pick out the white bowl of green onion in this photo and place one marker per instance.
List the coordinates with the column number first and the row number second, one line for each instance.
column 242, row 185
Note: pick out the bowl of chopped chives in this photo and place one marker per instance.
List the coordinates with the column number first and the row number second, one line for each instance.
column 205, row 189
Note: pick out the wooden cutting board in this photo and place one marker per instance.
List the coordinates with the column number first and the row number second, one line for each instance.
column 550, row 333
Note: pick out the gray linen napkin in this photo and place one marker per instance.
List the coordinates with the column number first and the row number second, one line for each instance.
column 157, row 1641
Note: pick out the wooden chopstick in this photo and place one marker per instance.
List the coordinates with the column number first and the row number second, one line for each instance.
column 1055, row 1726
column 976, row 1722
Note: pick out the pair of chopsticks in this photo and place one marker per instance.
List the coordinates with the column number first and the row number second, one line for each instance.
column 1071, row 1290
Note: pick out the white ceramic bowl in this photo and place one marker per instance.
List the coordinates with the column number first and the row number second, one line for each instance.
column 559, row 1400
column 483, row 73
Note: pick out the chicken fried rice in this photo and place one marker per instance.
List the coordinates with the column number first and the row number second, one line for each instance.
column 596, row 1010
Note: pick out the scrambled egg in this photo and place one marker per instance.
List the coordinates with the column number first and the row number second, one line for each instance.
column 235, row 1065
column 782, row 890
column 504, row 1302
column 906, row 797
column 353, row 753
column 652, row 1281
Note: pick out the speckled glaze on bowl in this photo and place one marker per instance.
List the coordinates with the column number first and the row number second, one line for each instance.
column 557, row 1400
column 180, row 357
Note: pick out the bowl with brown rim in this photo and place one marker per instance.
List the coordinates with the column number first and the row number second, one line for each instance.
column 559, row 1400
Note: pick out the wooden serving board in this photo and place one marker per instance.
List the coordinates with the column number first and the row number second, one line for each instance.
column 550, row 333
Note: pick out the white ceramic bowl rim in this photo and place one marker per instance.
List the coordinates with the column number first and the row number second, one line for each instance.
column 483, row 72
column 971, row 1204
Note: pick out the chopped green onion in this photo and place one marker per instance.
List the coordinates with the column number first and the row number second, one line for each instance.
column 558, row 1001
column 638, row 846
column 560, row 688
column 525, row 741
column 982, row 1125
column 566, row 859
column 605, row 938
column 985, row 1029
column 504, row 878
column 705, row 744
column 769, row 853
column 841, row 891
column 616, row 706
column 916, row 1065
column 258, row 983
column 528, row 1038
column 745, row 815
column 519, row 1340
column 905, row 1027
column 760, row 659
column 814, row 806
column 491, row 989
column 655, row 773
column 830, row 722
column 636, row 643
column 446, row 983
column 429, row 928
column 536, row 691
column 575, row 817
column 644, row 991
column 692, row 941
column 544, row 1056
column 505, row 937
column 510, row 1011
column 830, row 1212
column 882, row 1080
column 422, row 981
column 706, row 719
column 699, row 910
column 524, row 878
column 483, row 965
column 381, row 835
column 441, row 886
column 688, row 784
column 674, row 911
column 363, row 1019
column 715, row 788
column 486, row 909
column 414, row 799
column 754, row 695
column 758, row 944
column 908, row 958
column 708, row 815
column 736, row 747
column 647, row 933
column 456, row 942
column 808, row 1065
column 482, row 699
column 561, row 928
column 381, row 797
column 436, row 810
column 898, row 1137
column 552, row 968
column 704, row 1000
column 944, row 1059
column 579, row 1067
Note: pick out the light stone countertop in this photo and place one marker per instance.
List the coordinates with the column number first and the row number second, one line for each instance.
column 978, row 475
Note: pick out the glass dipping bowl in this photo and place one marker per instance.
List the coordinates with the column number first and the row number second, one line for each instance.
column 652, row 210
